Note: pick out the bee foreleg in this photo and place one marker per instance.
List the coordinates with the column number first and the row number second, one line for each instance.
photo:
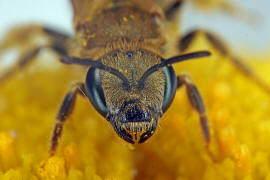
column 197, row 103
column 221, row 47
column 64, row 112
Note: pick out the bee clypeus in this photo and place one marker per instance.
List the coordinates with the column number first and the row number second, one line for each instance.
column 130, row 82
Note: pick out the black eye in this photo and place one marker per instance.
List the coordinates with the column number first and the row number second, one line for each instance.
column 170, row 87
column 95, row 92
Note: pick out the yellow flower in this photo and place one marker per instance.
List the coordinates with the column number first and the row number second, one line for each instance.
column 238, row 112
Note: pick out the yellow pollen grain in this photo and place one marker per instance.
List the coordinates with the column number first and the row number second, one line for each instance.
column 6, row 141
column 227, row 141
column 242, row 158
column 71, row 155
column 8, row 158
column 221, row 118
column 52, row 169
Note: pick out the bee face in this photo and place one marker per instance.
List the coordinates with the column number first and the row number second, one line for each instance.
column 134, row 122
column 134, row 113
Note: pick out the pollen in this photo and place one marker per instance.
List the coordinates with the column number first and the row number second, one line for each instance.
column 237, row 110
column 227, row 141
column 70, row 154
column 242, row 158
column 8, row 157
column 53, row 168
column 6, row 141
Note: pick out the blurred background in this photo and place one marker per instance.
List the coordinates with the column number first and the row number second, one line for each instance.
column 241, row 34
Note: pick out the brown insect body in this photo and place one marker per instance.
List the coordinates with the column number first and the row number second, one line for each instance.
column 106, row 26
column 123, row 35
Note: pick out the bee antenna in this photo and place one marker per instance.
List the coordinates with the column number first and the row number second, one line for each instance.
column 170, row 61
column 96, row 64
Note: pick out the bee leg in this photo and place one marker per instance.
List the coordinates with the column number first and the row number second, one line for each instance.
column 197, row 103
column 221, row 47
column 21, row 37
column 24, row 60
column 171, row 11
column 64, row 112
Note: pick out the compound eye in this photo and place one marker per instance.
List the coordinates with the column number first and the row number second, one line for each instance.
column 95, row 92
column 170, row 87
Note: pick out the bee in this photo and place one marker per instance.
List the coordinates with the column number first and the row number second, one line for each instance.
column 130, row 81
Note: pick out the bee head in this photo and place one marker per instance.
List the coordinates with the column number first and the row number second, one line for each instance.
column 133, row 112
column 132, row 89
